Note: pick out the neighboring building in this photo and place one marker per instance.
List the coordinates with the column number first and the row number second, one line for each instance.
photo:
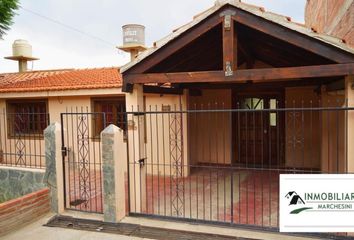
column 30, row 100
column 333, row 17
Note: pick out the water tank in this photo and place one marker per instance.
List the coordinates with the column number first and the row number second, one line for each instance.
column 133, row 35
column 21, row 47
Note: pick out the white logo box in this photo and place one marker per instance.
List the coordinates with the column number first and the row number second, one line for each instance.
column 316, row 203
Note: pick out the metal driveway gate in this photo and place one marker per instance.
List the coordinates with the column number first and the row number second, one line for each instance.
column 223, row 165
column 82, row 160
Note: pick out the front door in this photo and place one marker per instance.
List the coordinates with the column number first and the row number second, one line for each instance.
column 257, row 130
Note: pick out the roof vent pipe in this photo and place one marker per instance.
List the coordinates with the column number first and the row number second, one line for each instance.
column 133, row 39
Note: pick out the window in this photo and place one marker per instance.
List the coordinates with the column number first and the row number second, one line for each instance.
column 273, row 115
column 29, row 117
column 253, row 103
column 109, row 111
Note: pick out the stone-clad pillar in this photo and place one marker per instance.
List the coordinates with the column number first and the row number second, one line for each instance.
column 54, row 166
column 114, row 161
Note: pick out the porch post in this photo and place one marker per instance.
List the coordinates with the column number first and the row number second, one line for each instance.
column 136, row 149
column 349, row 94
column 186, row 161
column 114, row 162
column 54, row 166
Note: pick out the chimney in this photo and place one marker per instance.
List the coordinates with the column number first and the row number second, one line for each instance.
column 133, row 39
column 22, row 53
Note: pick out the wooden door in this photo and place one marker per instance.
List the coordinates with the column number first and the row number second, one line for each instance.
column 257, row 133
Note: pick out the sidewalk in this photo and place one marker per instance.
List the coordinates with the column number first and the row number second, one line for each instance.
column 36, row 231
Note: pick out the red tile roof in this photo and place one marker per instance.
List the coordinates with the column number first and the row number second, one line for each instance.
column 56, row 80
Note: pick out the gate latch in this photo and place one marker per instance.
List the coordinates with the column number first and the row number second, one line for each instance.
column 64, row 151
column 141, row 162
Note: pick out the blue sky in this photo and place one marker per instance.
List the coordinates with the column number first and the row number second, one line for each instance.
column 59, row 47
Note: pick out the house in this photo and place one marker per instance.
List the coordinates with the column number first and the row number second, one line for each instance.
column 214, row 112
column 249, row 94
column 30, row 100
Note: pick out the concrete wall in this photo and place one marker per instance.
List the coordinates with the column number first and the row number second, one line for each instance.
column 334, row 17
column 16, row 182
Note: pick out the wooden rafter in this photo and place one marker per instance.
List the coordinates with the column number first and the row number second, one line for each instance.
column 292, row 37
column 247, row 54
column 248, row 75
column 176, row 44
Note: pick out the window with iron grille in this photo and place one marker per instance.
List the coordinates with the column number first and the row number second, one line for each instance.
column 27, row 117
column 108, row 111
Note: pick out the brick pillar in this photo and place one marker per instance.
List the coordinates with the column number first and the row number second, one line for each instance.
column 114, row 161
column 54, row 166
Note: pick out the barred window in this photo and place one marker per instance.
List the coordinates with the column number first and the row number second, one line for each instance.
column 109, row 111
column 27, row 117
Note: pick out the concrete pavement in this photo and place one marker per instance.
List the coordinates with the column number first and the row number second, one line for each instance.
column 36, row 231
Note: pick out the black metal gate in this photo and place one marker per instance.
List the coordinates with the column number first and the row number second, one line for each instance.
column 82, row 160
column 183, row 164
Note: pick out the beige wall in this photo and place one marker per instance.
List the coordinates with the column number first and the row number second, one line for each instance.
column 155, row 145
column 210, row 133
column 56, row 106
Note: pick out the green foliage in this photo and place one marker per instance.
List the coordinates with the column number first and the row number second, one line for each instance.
column 7, row 12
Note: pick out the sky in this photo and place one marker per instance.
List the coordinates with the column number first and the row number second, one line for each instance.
column 60, row 47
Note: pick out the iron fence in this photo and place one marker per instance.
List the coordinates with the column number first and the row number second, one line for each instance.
column 21, row 139
column 81, row 149
column 216, row 164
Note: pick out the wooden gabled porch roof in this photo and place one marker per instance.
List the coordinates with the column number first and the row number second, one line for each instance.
column 222, row 45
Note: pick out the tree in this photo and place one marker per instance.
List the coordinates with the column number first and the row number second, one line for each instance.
column 7, row 12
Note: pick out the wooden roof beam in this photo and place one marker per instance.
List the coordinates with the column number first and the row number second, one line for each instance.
column 248, row 75
column 162, row 90
column 229, row 40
